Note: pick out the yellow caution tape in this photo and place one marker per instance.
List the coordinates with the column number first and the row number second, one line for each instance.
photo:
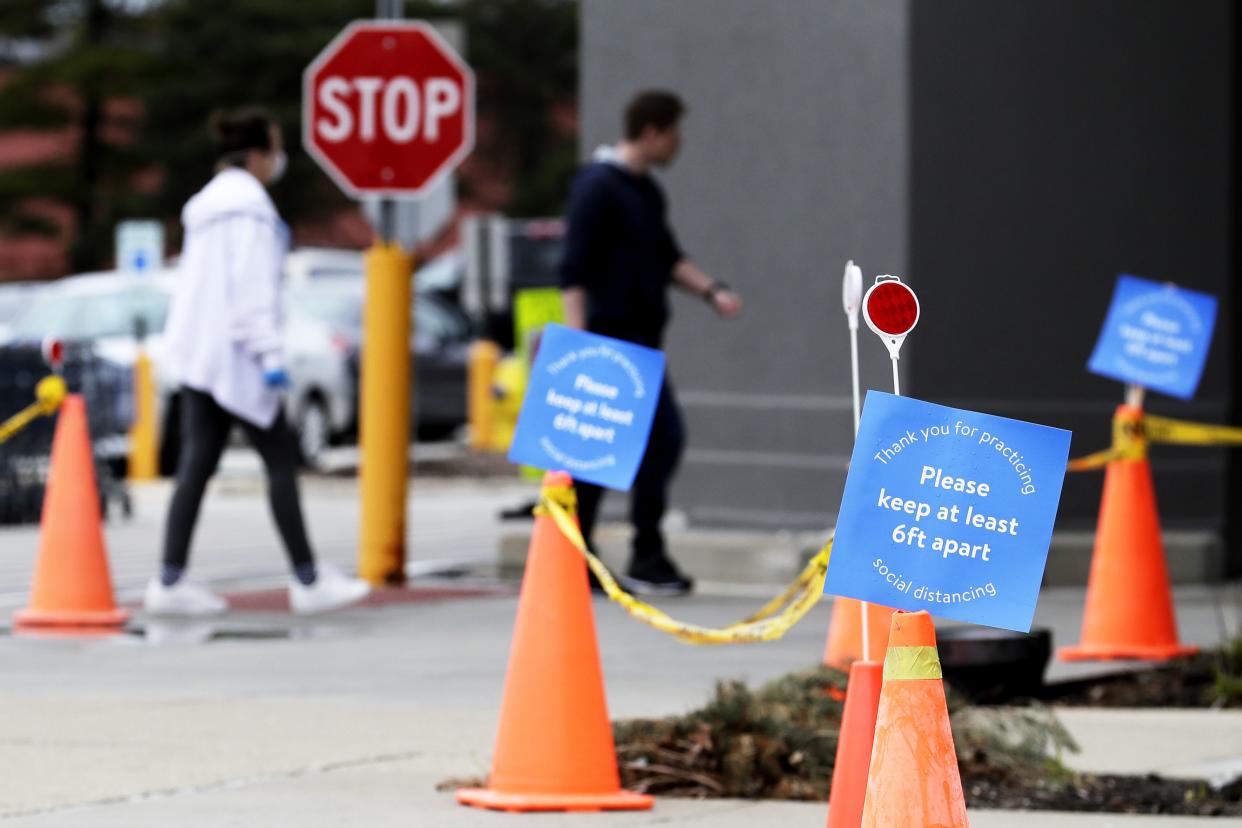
column 1134, row 430
column 1098, row 460
column 771, row 622
column 49, row 394
column 1181, row 432
column 1129, row 443
column 911, row 663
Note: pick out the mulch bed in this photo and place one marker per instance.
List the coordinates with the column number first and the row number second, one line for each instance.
column 1212, row 679
column 779, row 742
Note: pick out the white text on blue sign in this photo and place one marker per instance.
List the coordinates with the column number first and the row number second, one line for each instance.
column 948, row 510
column 588, row 407
column 1155, row 335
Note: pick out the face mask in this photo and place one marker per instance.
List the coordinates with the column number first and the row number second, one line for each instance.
column 279, row 165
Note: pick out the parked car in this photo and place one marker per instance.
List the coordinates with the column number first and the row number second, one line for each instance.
column 25, row 455
column 320, row 402
column 332, row 314
column 13, row 299
column 323, row 335
column 323, row 327
column 441, row 343
column 442, row 275
column 104, row 310
column 307, row 265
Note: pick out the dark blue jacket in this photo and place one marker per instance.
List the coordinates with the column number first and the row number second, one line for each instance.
column 621, row 251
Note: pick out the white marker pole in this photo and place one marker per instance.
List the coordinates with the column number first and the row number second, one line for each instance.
column 851, row 301
column 892, row 327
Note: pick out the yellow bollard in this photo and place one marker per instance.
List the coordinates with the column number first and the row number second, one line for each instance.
column 384, row 429
column 480, row 404
column 508, row 392
column 144, row 435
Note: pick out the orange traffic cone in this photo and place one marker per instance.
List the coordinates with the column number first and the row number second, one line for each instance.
column 913, row 779
column 849, row 771
column 71, row 585
column 1129, row 608
column 554, row 751
column 845, row 640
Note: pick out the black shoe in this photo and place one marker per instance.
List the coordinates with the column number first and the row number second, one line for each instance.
column 524, row 511
column 656, row 577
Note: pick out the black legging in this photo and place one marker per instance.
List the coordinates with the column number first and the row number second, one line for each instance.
column 205, row 430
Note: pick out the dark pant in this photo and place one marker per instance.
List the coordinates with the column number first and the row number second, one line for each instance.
column 649, row 495
column 205, row 428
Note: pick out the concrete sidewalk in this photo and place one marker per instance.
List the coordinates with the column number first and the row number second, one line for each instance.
column 454, row 523
column 451, row 522
column 353, row 719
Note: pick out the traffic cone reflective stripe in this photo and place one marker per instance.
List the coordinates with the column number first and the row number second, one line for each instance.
column 554, row 750
column 849, row 771
column 71, row 586
column 845, row 640
column 914, row 777
column 1129, row 607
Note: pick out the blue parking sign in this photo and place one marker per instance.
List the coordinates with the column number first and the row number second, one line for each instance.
column 1155, row 335
column 588, row 407
column 949, row 511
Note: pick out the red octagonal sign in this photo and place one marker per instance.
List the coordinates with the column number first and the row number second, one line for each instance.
column 388, row 108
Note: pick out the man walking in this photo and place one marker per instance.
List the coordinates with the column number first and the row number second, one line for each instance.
column 620, row 258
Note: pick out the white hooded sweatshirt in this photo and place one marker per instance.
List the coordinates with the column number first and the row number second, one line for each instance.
column 224, row 327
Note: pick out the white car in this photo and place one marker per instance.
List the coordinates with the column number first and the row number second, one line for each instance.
column 325, row 319
column 321, row 334
column 321, row 265
column 14, row 296
column 307, row 265
column 108, row 308
column 323, row 292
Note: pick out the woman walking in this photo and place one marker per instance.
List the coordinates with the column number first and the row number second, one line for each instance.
column 224, row 345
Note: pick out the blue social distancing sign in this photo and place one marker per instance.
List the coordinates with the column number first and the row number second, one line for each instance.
column 949, row 511
column 1155, row 335
column 588, row 407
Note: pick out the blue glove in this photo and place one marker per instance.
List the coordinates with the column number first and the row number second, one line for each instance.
column 276, row 378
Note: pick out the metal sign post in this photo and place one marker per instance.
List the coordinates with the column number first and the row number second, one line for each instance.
column 388, row 111
column 891, row 310
column 387, row 368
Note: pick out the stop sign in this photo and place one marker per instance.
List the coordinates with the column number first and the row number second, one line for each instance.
column 388, row 108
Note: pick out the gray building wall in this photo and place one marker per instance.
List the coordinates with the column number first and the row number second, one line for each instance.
column 794, row 160
column 1053, row 145
column 1007, row 158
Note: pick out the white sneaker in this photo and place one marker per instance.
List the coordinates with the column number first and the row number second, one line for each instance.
column 332, row 590
column 184, row 598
